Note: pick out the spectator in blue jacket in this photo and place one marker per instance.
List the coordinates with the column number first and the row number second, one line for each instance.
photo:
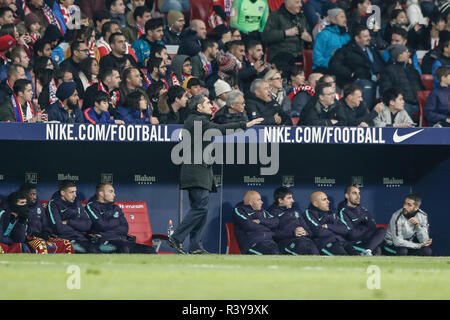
column 135, row 110
column 437, row 107
column 66, row 109
column 153, row 35
column 443, row 59
column 69, row 220
column 254, row 226
column 99, row 113
column 109, row 224
column 330, row 39
column 293, row 234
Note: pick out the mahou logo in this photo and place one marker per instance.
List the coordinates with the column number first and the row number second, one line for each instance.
column 253, row 181
column 144, row 179
column 69, row 177
column 287, row 181
column 324, row 181
column 106, row 178
column 392, row 182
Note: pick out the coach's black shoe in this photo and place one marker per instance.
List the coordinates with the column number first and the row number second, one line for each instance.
column 176, row 245
column 199, row 251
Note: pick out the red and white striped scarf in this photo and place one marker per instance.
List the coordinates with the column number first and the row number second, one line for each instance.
column 48, row 14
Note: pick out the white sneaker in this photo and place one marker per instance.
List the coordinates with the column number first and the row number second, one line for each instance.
column 367, row 252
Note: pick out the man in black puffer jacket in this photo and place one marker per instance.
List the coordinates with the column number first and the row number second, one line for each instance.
column 358, row 62
column 401, row 73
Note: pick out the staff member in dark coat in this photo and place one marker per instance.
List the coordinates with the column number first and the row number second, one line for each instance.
column 196, row 177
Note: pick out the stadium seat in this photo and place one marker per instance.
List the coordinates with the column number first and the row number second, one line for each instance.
column 232, row 244
column 384, row 226
column 307, row 62
column 139, row 226
column 423, row 95
column 427, row 80
column 201, row 9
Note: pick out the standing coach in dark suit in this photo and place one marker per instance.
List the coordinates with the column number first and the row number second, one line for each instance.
column 198, row 178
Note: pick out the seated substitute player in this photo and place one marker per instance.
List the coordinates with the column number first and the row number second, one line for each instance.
column 39, row 236
column 69, row 220
column 109, row 223
column 361, row 226
column 407, row 233
column 328, row 232
column 13, row 224
column 293, row 234
column 253, row 226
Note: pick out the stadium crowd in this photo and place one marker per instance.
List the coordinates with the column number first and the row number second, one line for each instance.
column 114, row 62
column 108, row 61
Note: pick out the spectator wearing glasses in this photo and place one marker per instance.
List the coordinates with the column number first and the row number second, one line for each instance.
column 79, row 51
column 322, row 111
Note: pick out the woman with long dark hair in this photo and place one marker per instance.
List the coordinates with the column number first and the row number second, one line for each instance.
column 89, row 70
column 135, row 110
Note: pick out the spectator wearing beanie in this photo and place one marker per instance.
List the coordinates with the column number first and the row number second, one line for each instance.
column 66, row 109
column 221, row 89
column 401, row 73
column 330, row 39
column 175, row 24
column 34, row 27
column 224, row 70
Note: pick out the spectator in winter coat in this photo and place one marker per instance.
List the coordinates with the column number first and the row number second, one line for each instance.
column 330, row 39
column 234, row 110
column 136, row 109
column 402, row 74
column 175, row 25
column 190, row 38
column 437, row 107
column 13, row 223
column 153, row 35
column 353, row 109
column 260, row 104
column 66, row 109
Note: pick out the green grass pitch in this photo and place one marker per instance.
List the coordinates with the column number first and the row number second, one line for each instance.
column 217, row 277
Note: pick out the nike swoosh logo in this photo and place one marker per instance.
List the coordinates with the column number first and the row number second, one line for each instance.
column 63, row 210
column 398, row 138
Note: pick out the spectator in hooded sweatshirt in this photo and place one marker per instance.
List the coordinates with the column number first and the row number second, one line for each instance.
column 109, row 224
column 254, row 226
column 330, row 39
column 361, row 226
column 293, row 234
column 437, row 107
column 69, row 220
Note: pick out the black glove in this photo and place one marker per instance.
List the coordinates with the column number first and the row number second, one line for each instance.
column 131, row 238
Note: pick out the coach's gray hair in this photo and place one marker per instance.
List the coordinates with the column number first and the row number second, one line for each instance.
column 232, row 97
column 194, row 101
column 256, row 84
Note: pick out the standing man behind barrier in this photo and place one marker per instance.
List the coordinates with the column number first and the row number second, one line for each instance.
column 198, row 178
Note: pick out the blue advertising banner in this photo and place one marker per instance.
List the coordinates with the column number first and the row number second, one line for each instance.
column 172, row 133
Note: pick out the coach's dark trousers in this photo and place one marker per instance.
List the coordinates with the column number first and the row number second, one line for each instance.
column 195, row 219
